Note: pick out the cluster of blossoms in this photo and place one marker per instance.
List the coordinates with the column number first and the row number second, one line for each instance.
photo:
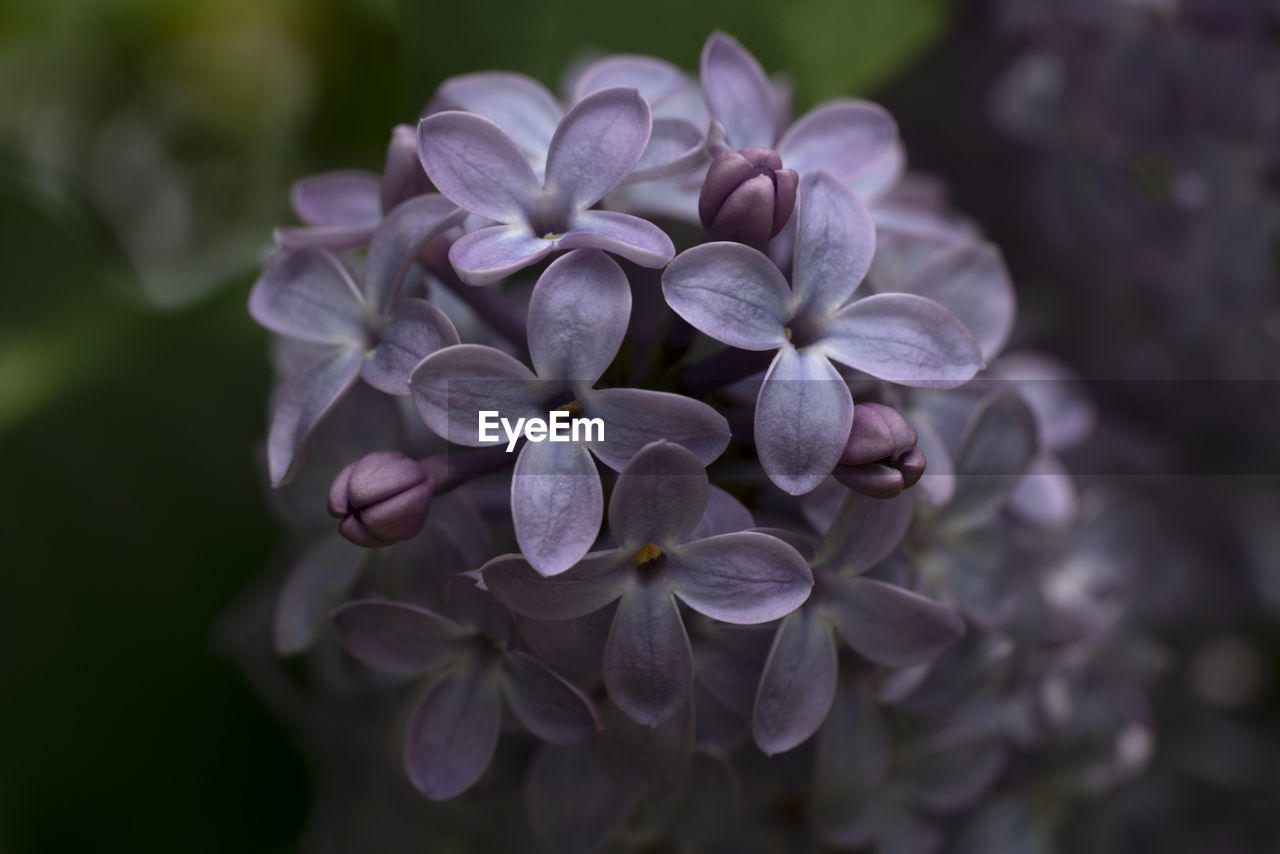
column 837, row 529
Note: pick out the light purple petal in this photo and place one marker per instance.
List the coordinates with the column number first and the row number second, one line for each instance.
column 635, row 417
column 570, row 646
column 659, row 497
column 475, row 164
column 743, row 578
column 732, row 293
column 905, row 339
column 451, row 386
column 556, row 504
column 415, row 330
column 1058, row 398
column 302, row 400
column 633, row 238
column 335, row 238
column 579, row 824
column 452, row 733
column 548, row 706
column 344, row 198
column 1045, row 495
column 939, row 481
column 996, row 450
column 724, row 515
column 318, row 581
column 396, row 242
column 519, row 105
column 835, row 241
column 596, row 145
column 843, row 137
column 675, row 146
column 653, row 78
column 396, row 637
column 803, row 417
column 798, row 683
column 402, row 175
column 309, row 296
column 578, row 316
column 891, row 626
column 972, row 283
column 648, row 665
column 738, row 92
column 865, row 532
column 596, row 580
column 881, row 177
column 493, row 253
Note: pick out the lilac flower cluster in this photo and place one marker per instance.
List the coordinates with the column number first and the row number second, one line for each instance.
column 820, row 528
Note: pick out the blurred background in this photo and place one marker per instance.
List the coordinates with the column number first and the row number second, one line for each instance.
column 1123, row 154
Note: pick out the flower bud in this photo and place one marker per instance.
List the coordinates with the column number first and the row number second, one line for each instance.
column 402, row 176
column 880, row 459
column 747, row 196
column 381, row 498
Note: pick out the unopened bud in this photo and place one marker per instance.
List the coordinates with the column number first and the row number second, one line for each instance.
column 880, row 459
column 747, row 196
column 381, row 498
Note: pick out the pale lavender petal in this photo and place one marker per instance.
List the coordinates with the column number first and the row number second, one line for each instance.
column 579, row 824
column 835, row 241
column 335, row 238
column 415, row 330
column 557, row 503
column 724, row 515
column 344, row 198
column 1045, row 495
column 578, row 316
column 798, row 683
column 475, row 164
column 635, row 239
column 743, row 578
column 310, row 296
column 865, row 532
column 596, row 580
column 451, row 387
column 645, row 759
column 971, row 282
column 402, row 175
column 1058, row 398
column 939, row 481
column 398, row 239
column 319, row 580
column 299, row 404
column 876, row 181
column 648, row 665
column 570, row 646
column 635, row 417
column 493, row 253
column 452, row 733
column 738, row 92
column 659, row 497
column 653, row 78
column 519, row 105
column 596, row 145
column 396, row 637
column 891, row 626
column 675, row 146
column 548, row 706
column 997, row 448
column 803, row 417
column 905, row 339
column 843, row 137
column 732, row 293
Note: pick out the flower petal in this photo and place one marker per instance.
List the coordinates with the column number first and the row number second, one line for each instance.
column 416, row 329
column 548, row 706
column 798, row 683
column 971, row 282
column 309, row 296
column 1045, row 495
column 724, row 515
column 635, row 417
column 596, row 145
column 844, row 138
column 659, row 497
column 905, row 339
column 653, row 78
column 318, row 581
column 451, row 386
column 578, row 315
column 675, row 146
column 732, row 293
column 577, row 824
column 335, row 238
column 648, row 665
column 803, row 417
column 996, row 450
column 451, row 734
column 520, row 105
column 556, row 504
column 343, row 198
column 396, row 637
column 490, row 254
column 635, row 239
column 738, row 92
column 475, row 164
column 596, row 580
column 396, row 241
column 745, row 577
column 865, row 532
column 648, row 760
column 835, row 241
column 299, row 404
column 892, row 626
column 1059, row 399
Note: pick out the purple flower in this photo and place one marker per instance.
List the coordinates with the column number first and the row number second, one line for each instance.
column 381, row 498
column 881, row 458
column 595, row 146
column 747, row 197
column 804, row 411
column 358, row 331
column 578, row 316
column 472, row 668
column 744, row 577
